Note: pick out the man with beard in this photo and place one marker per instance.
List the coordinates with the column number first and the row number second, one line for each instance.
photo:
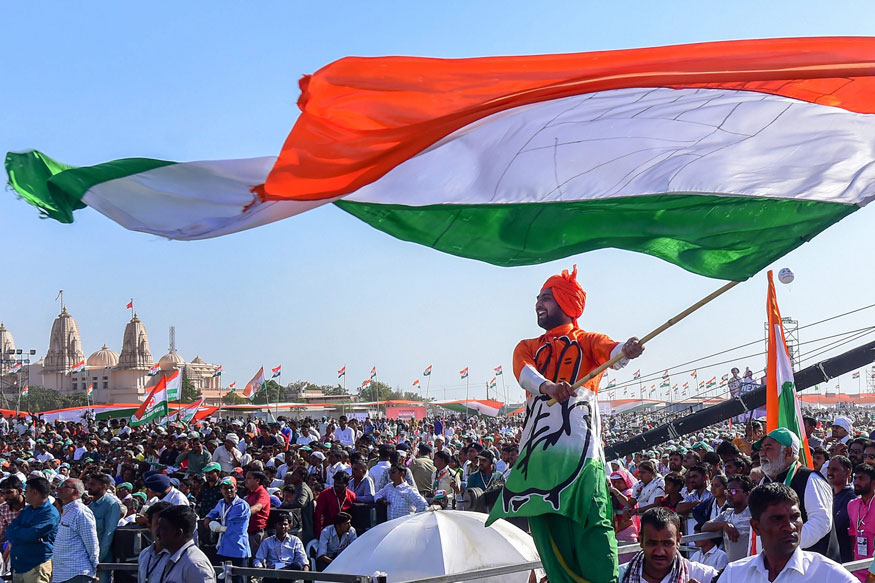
column 778, row 520
column 779, row 462
column 546, row 367
column 107, row 509
column 861, row 513
column 856, row 450
column 676, row 462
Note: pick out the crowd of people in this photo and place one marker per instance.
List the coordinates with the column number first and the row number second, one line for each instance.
column 291, row 493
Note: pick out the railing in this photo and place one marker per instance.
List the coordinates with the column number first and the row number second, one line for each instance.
column 229, row 570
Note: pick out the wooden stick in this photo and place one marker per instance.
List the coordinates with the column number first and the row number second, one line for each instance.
column 671, row 322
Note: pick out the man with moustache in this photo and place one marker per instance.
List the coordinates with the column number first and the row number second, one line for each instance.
column 779, row 462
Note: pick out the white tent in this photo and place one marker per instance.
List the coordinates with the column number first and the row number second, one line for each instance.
column 443, row 542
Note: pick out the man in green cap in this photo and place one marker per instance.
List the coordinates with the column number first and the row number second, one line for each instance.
column 779, row 462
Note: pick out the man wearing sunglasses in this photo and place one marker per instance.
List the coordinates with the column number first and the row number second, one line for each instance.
column 734, row 522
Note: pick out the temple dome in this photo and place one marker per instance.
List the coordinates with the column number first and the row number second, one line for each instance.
column 198, row 360
column 171, row 361
column 135, row 346
column 103, row 358
column 65, row 344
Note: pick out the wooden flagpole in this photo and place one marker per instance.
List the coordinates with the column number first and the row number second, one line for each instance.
column 668, row 324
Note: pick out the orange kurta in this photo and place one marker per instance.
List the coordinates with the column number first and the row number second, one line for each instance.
column 565, row 353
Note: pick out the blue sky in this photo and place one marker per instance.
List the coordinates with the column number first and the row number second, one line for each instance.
column 89, row 82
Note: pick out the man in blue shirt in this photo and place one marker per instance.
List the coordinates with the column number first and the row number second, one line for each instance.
column 32, row 535
column 107, row 510
column 230, row 518
column 281, row 551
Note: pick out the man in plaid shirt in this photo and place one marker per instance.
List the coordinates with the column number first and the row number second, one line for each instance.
column 76, row 546
column 11, row 490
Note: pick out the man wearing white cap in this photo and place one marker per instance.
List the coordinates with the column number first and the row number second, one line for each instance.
column 842, row 430
column 228, row 456
column 779, row 461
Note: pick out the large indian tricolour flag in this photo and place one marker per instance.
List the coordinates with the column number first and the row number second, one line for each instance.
column 718, row 157
column 155, row 407
column 782, row 406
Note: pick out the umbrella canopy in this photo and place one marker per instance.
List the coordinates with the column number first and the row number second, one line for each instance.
column 429, row 544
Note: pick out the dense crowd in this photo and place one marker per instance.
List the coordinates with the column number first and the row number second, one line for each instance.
column 294, row 493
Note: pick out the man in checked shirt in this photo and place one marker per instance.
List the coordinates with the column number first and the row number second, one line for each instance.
column 76, row 547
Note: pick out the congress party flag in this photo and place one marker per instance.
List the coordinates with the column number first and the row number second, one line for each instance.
column 712, row 382
column 233, row 386
column 218, row 371
column 374, row 372
column 154, row 407
column 427, row 371
column 552, row 155
column 464, row 373
column 254, row 385
column 156, row 368
column 498, row 371
column 188, row 413
column 276, row 371
column 15, row 368
column 173, row 382
column 79, row 366
column 366, row 383
column 416, row 383
column 782, row 406
column 89, row 390
column 342, row 371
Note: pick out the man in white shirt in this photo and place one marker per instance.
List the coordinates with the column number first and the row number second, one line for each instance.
column 228, row 456
column 777, row 519
column 345, row 434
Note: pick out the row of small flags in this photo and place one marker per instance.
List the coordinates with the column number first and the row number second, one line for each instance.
column 427, row 372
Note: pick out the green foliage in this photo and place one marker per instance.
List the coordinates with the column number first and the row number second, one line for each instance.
column 232, row 398
column 378, row 391
column 271, row 393
column 187, row 392
column 41, row 399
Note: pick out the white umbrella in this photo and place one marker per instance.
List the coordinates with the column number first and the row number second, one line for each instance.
column 428, row 544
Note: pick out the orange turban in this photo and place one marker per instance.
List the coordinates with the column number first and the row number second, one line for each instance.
column 567, row 293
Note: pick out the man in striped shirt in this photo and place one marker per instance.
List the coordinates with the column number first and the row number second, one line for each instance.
column 76, row 546
column 401, row 497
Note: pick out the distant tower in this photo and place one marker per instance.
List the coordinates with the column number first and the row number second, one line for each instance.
column 65, row 344
column 172, row 339
column 172, row 360
column 135, row 346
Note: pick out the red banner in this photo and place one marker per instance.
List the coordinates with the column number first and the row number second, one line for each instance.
column 406, row 412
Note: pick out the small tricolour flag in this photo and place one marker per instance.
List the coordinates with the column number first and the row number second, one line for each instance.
column 366, row 383
column 15, row 368
column 782, row 406
column 712, row 382
column 374, row 372
column 498, row 371
column 174, row 383
column 276, row 371
column 685, row 385
column 493, row 383
column 188, row 413
column 25, row 390
column 89, row 390
column 427, row 371
column 342, row 371
column 416, row 383
column 155, row 406
column 156, row 368
column 674, row 387
column 218, row 371
column 724, row 379
column 79, row 366
column 233, row 386
column 613, row 383
column 856, row 375
column 694, row 373
column 464, row 373
column 636, row 374
column 254, row 385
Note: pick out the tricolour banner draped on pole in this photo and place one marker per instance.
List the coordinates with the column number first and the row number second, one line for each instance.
column 154, row 407
column 782, row 406
column 174, row 382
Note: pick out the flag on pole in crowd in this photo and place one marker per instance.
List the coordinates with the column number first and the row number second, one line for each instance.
column 276, row 371
column 374, row 372
column 427, row 371
column 173, row 382
column 156, row 368
column 856, row 375
column 782, row 405
column 218, row 371
column 15, row 368
column 498, row 370
column 188, row 413
column 342, row 371
column 155, row 406
column 254, row 385
column 89, row 390
column 416, row 383
column 25, row 390
column 464, row 373
column 233, row 386
column 637, row 374
column 79, row 366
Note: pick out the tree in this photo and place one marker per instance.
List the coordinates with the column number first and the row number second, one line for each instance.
column 376, row 391
column 41, row 399
column 271, row 393
column 232, row 398
column 187, row 392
